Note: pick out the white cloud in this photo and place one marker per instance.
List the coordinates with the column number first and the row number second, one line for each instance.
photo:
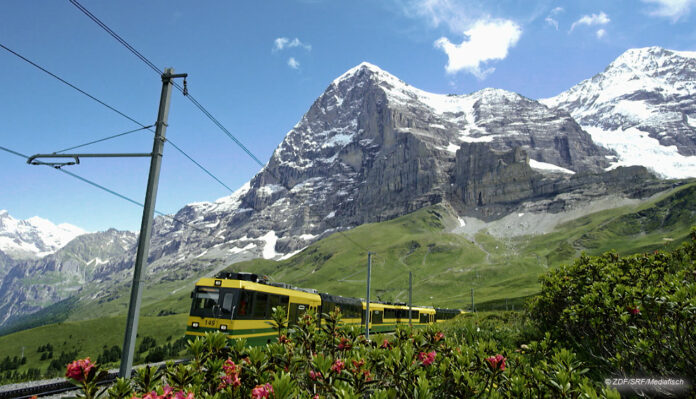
column 488, row 40
column 672, row 9
column 552, row 21
column 601, row 33
column 293, row 63
column 590, row 20
column 284, row 42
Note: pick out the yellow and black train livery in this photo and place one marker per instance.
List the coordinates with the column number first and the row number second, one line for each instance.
column 240, row 305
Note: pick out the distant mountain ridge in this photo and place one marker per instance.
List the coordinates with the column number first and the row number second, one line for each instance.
column 372, row 148
column 34, row 237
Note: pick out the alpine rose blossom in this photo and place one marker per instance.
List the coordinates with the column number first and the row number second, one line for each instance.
column 345, row 344
column 262, row 391
column 314, row 374
column 497, row 362
column 338, row 366
column 427, row 358
column 79, row 369
column 634, row 310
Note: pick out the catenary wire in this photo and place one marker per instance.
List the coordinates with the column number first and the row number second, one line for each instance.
column 110, row 191
column 104, row 139
column 115, row 36
column 192, row 99
column 118, row 112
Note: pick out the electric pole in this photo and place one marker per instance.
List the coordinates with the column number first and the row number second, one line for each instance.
column 146, row 224
column 148, row 209
column 367, row 305
column 410, row 292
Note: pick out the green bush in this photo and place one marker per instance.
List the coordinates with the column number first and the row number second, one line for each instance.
column 466, row 359
column 626, row 316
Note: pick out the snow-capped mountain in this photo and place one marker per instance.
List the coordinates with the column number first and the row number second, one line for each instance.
column 643, row 107
column 34, row 237
column 371, row 148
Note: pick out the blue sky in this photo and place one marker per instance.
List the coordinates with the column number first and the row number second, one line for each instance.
column 258, row 66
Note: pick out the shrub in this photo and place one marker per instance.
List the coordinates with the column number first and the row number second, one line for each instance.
column 626, row 316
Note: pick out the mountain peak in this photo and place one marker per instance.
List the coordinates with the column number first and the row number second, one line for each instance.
column 650, row 59
column 366, row 70
column 34, row 236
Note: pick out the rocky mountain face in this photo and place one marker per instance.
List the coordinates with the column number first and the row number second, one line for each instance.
column 30, row 284
column 643, row 107
column 371, row 148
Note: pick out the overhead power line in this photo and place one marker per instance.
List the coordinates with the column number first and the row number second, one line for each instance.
column 104, row 139
column 191, row 98
column 159, row 72
column 143, row 126
column 71, row 85
column 110, row 191
column 116, row 36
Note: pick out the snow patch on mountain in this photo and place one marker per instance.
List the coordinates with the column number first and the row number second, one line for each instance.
column 34, row 237
column 270, row 239
column 635, row 147
column 547, row 167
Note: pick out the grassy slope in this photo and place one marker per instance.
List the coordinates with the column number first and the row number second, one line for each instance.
column 445, row 267
column 88, row 337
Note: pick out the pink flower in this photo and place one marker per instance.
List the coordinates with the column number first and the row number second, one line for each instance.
column 497, row 362
column 229, row 367
column 338, row 366
column 634, row 310
column 182, row 395
column 152, row 395
column 345, row 344
column 283, row 339
column 79, row 369
column 262, row 391
column 427, row 358
column 314, row 374
column 386, row 344
column 438, row 336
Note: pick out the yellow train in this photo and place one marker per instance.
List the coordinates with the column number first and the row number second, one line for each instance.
column 240, row 305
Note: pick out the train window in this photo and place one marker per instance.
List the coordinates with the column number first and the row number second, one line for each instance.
column 377, row 317
column 277, row 300
column 260, row 302
column 423, row 318
column 245, row 302
column 389, row 313
column 205, row 302
column 228, row 301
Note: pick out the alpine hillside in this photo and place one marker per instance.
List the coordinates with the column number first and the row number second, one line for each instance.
column 372, row 148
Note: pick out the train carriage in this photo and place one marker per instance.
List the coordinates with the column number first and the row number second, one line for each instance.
column 240, row 305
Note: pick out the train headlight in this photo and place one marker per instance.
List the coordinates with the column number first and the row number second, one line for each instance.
column 223, row 327
column 194, row 324
column 218, row 283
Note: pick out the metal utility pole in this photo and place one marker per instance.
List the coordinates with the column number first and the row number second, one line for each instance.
column 473, row 309
column 146, row 224
column 148, row 209
column 367, row 305
column 410, row 292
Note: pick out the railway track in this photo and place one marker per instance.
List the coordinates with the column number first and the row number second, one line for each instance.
column 57, row 388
